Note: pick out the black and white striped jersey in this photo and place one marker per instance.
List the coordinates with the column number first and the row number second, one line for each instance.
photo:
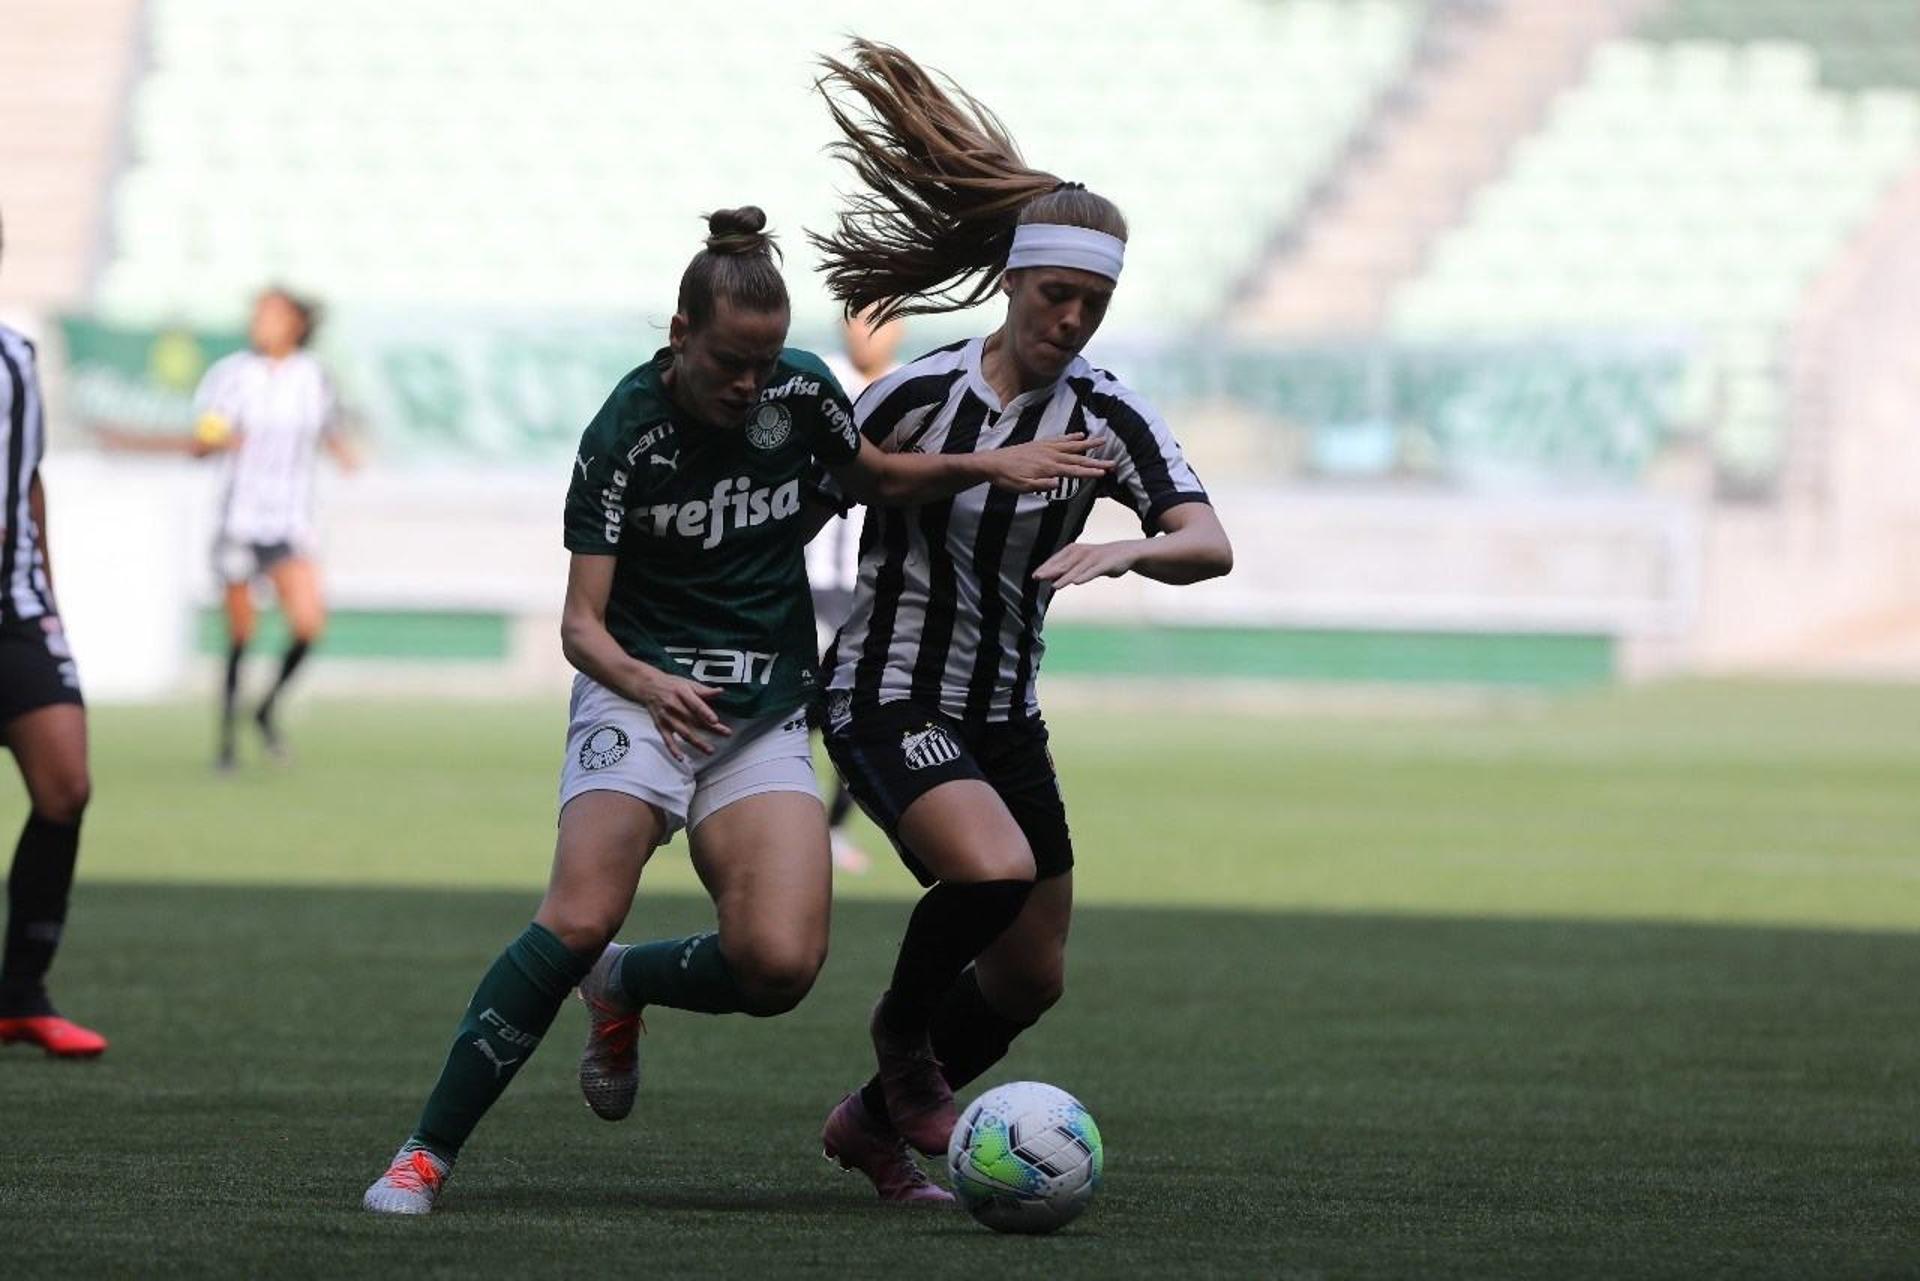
column 282, row 410
column 947, row 611
column 24, row 591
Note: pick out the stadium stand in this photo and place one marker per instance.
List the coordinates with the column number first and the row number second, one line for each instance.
column 1687, row 186
column 441, row 152
column 1480, row 78
column 62, row 65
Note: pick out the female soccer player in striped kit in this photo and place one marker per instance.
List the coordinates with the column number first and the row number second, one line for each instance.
column 687, row 617
column 42, row 721
column 931, row 707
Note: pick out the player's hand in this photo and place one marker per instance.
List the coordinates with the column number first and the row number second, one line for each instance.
column 1084, row 562
column 681, row 711
column 1039, row 465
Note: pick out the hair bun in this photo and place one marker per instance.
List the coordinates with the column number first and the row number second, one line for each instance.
column 738, row 231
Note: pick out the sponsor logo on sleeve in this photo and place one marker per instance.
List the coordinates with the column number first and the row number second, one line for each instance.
column 841, row 422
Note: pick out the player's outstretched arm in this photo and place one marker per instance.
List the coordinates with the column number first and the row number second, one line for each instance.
column 904, row 480
column 212, row 434
column 679, row 707
column 1192, row 548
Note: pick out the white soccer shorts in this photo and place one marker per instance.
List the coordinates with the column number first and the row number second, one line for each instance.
column 614, row 746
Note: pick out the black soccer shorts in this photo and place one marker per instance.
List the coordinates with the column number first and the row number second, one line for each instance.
column 36, row 667
column 892, row 754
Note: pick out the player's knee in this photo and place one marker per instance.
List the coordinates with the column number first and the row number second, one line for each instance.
column 583, row 931
column 775, row 978
column 1028, row 993
column 995, row 864
column 63, row 798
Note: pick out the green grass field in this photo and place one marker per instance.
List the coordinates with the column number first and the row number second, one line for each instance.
column 1620, row 985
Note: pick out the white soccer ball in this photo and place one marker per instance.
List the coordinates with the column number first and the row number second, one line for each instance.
column 1025, row 1157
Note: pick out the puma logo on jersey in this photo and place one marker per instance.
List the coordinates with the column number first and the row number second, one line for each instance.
column 669, row 461
column 583, row 462
column 735, row 505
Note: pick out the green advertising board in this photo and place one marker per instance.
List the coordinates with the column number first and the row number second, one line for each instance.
column 515, row 391
column 137, row 375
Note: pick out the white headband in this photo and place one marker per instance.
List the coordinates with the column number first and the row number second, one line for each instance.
column 1052, row 244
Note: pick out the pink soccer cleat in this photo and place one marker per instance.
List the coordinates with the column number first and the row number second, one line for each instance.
column 919, row 1100
column 855, row 1140
column 62, row 1038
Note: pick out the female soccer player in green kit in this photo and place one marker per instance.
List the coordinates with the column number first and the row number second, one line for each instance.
column 688, row 620
column 933, row 711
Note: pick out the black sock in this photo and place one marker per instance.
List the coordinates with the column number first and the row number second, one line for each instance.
column 840, row 806
column 296, row 652
column 953, row 923
column 37, row 893
column 236, row 650
column 969, row 1036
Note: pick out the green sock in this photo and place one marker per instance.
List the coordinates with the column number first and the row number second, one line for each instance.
column 684, row 974
column 511, row 1010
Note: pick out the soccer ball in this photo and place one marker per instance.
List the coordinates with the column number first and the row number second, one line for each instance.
column 1025, row 1157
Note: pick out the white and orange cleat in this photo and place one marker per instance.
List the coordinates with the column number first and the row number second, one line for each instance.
column 610, row 1063
column 62, row 1038
column 848, row 857
column 854, row 1139
column 411, row 1184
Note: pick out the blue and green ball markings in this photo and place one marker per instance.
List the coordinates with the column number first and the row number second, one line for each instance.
column 1026, row 1157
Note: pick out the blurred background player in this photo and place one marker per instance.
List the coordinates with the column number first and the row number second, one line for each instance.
column 933, row 713
column 271, row 411
column 44, row 723
column 833, row 557
column 267, row 413
column 686, row 620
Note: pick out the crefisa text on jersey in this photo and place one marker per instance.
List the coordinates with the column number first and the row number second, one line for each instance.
column 735, row 505
column 830, row 408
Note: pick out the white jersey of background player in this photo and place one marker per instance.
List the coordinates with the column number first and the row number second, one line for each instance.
column 833, row 557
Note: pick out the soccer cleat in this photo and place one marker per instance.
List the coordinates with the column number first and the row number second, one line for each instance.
column 62, row 1038
column 270, row 740
column 610, row 1063
column 848, row 857
column 919, row 1100
column 411, row 1184
column 854, row 1139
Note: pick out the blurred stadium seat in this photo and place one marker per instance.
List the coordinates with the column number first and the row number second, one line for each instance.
column 1687, row 186
column 555, row 156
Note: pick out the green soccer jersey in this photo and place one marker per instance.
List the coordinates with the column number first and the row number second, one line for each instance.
column 709, row 579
